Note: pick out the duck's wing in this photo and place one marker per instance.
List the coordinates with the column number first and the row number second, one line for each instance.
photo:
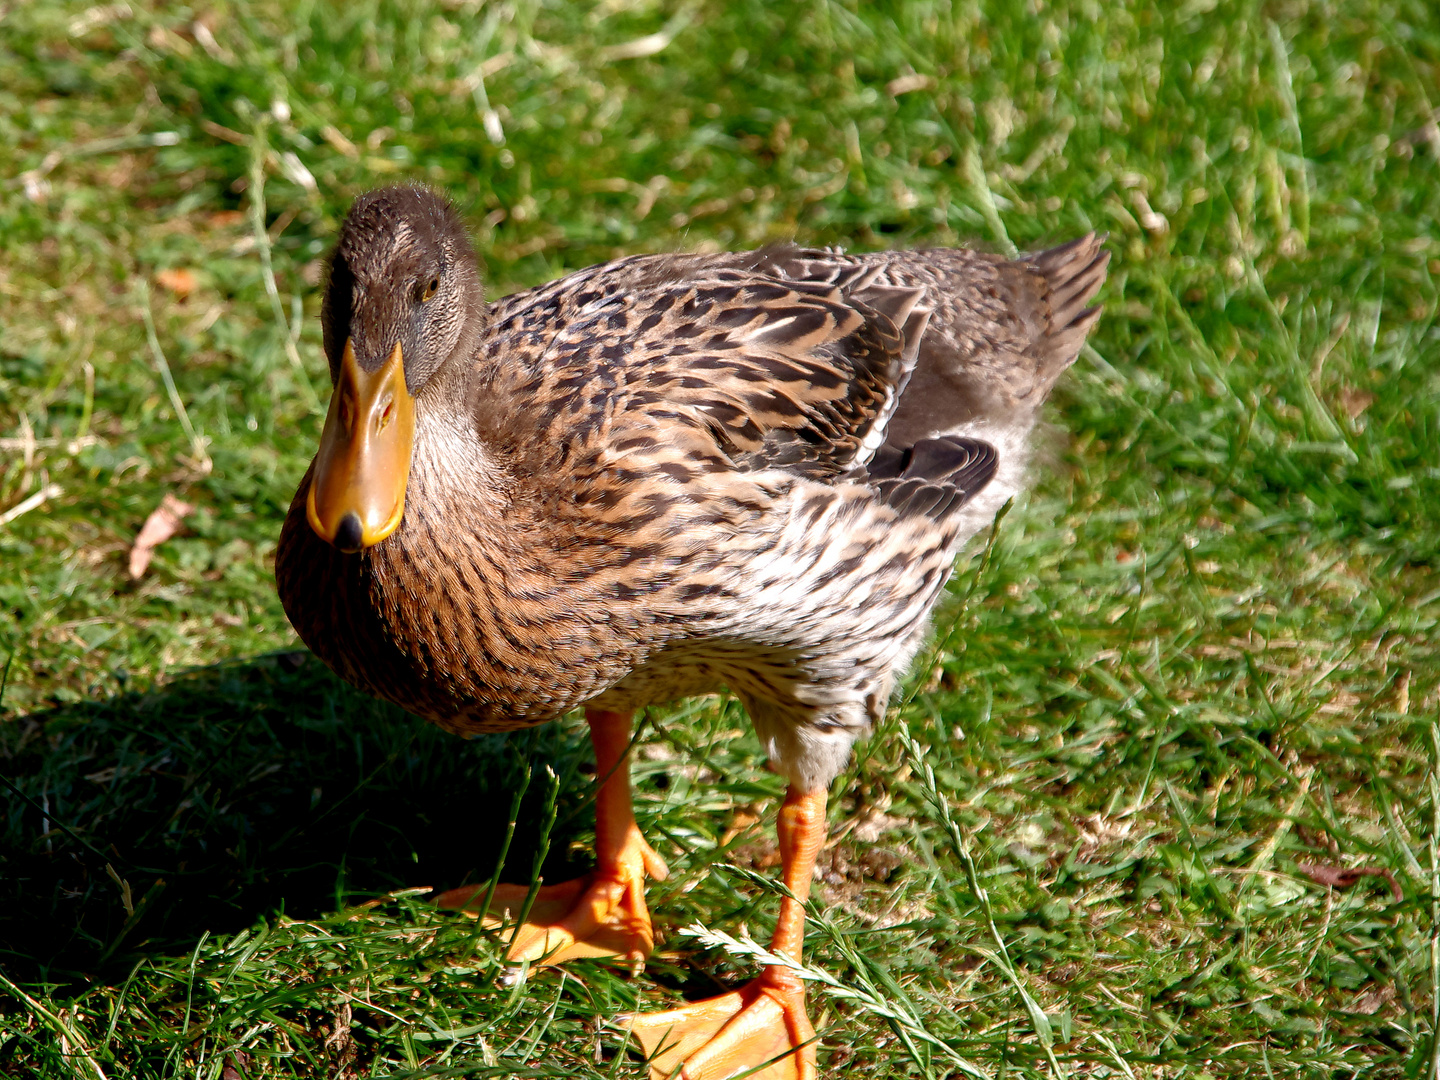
column 813, row 362
column 719, row 363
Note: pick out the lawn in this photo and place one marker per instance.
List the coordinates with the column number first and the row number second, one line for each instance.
column 1161, row 800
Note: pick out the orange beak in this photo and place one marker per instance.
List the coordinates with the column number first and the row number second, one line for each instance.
column 357, row 494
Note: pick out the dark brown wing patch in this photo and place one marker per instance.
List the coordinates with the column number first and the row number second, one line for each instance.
column 934, row 477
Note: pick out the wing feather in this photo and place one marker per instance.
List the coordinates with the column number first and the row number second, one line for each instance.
column 935, row 476
column 772, row 372
column 817, row 363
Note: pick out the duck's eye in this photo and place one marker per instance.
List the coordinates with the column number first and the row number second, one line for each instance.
column 427, row 291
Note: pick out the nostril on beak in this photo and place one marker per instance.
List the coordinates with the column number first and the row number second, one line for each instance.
column 349, row 534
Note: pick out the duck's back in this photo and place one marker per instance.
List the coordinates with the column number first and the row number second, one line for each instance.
column 1002, row 331
column 984, row 338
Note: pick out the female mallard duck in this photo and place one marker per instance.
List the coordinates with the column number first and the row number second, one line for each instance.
column 654, row 478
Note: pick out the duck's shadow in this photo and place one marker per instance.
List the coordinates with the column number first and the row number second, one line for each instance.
column 134, row 825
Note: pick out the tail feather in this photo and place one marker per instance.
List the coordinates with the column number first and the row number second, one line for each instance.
column 1075, row 272
column 1072, row 273
column 1001, row 333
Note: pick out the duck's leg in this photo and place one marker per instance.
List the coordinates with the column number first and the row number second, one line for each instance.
column 602, row 913
column 765, row 1019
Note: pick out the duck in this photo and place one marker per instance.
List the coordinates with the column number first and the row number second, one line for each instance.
column 662, row 476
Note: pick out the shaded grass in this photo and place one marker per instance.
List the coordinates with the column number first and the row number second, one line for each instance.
column 1199, row 659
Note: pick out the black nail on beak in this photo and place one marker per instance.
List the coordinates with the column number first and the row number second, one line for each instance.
column 348, row 535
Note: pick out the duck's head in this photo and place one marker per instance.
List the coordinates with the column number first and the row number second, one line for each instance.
column 403, row 300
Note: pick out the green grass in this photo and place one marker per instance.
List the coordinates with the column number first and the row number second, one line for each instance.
column 1200, row 657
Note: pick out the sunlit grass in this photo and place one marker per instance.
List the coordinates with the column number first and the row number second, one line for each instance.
column 1200, row 659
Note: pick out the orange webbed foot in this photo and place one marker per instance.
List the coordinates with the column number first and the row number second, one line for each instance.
column 600, row 914
column 762, row 1022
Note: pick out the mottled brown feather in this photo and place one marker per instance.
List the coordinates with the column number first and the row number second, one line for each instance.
column 666, row 474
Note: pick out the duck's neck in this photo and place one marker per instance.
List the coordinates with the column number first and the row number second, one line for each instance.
column 468, row 593
column 457, row 490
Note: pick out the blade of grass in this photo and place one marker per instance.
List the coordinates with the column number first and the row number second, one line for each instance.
column 59, row 1026
column 1039, row 1021
column 547, row 823
column 511, row 819
column 198, row 443
column 866, row 998
column 289, row 334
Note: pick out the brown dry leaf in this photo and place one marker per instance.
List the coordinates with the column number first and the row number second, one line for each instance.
column 179, row 281
column 743, row 820
column 340, row 1044
column 336, row 138
column 1355, row 402
column 1369, row 1004
column 875, row 822
column 906, row 84
column 163, row 523
column 226, row 219
column 1342, row 877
